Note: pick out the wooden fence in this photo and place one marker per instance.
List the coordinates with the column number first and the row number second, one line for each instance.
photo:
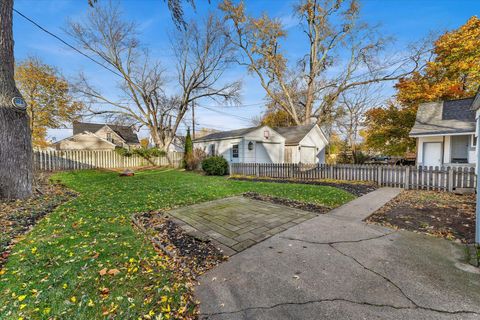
column 408, row 177
column 88, row 159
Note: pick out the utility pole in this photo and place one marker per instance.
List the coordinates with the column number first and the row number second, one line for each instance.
column 193, row 120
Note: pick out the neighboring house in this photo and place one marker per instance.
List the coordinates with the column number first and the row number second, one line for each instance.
column 445, row 133
column 476, row 108
column 96, row 136
column 266, row 145
column 305, row 144
column 250, row 145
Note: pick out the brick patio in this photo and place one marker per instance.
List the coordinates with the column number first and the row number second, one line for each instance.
column 236, row 223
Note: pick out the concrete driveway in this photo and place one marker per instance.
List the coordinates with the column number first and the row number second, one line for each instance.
column 336, row 267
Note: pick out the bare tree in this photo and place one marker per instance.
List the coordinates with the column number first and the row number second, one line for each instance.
column 16, row 163
column 175, row 7
column 351, row 113
column 307, row 89
column 202, row 56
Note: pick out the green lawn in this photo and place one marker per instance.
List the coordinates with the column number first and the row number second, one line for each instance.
column 54, row 271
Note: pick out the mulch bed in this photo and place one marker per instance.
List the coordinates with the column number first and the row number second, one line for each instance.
column 19, row 216
column 195, row 255
column 357, row 188
column 440, row 214
column 289, row 203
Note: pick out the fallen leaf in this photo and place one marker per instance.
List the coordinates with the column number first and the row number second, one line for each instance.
column 103, row 272
column 113, row 272
column 104, row 291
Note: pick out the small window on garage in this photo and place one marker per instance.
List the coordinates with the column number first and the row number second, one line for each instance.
column 212, row 149
column 235, row 151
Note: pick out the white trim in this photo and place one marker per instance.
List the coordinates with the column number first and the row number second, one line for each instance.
column 442, row 134
column 106, row 125
column 322, row 135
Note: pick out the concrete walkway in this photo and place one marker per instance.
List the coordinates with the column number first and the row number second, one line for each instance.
column 336, row 267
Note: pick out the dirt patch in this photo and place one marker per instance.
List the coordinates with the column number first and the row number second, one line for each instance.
column 19, row 216
column 440, row 214
column 289, row 203
column 357, row 188
column 194, row 255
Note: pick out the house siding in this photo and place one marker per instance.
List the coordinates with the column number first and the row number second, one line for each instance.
column 223, row 147
column 313, row 139
column 84, row 141
column 447, row 149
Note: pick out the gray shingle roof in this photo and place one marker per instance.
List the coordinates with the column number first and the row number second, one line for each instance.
column 293, row 135
column 126, row 132
column 227, row 134
column 445, row 117
column 476, row 102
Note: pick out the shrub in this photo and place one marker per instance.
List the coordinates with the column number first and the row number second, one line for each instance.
column 188, row 154
column 215, row 166
column 146, row 153
column 195, row 161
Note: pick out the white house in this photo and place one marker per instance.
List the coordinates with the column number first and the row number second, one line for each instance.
column 445, row 133
column 250, row 145
column 266, row 145
column 476, row 108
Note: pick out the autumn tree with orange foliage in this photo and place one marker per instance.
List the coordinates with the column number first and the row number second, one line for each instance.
column 47, row 93
column 277, row 118
column 452, row 73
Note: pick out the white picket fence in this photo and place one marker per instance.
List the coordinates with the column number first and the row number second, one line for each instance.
column 88, row 159
column 408, row 177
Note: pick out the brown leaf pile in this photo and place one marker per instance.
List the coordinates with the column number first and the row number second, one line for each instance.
column 441, row 214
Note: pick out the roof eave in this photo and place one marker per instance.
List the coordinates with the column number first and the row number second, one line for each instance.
column 436, row 134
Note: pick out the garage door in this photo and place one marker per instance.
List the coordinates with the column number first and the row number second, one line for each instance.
column 432, row 154
column 307, row 154
column 264, row 152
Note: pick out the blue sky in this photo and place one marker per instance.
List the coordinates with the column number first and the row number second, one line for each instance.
column 405, row 20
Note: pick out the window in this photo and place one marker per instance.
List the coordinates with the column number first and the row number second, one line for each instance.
column 474, row 141
column 235, row 151
column 109, row 136
column 212, row 149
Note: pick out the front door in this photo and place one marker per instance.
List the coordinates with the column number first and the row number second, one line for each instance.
column 432, row 154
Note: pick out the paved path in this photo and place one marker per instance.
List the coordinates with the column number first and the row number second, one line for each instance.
column 336, row 267
column 237, row 223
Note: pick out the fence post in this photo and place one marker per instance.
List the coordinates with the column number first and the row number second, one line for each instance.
column 450, row 179
column 257, row 169
column 407, row 178
column 379, row 175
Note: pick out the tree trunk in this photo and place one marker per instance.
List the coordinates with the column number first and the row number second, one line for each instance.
column 16, row 162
